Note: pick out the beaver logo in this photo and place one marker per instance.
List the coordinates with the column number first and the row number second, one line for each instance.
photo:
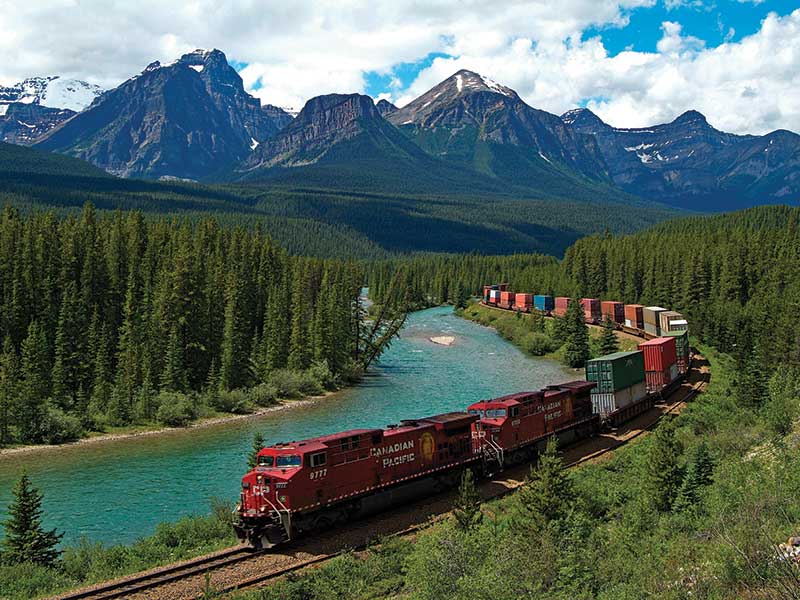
column 427, row 446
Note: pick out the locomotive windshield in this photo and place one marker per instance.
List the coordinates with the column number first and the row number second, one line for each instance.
column 266, row 461
column 290, row 460
column 492, row 413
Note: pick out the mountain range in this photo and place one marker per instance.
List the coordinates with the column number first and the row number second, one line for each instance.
column 192, row 119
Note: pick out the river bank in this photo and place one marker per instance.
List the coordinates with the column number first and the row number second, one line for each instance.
column 160, row 430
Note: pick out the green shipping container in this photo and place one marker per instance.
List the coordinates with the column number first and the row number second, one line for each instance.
column 681, row 341
column 615, row 371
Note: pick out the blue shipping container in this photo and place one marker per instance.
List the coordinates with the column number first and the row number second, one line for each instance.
column 544, row 303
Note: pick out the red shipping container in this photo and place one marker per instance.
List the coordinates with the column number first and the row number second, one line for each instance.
column 591, row 310
column 562, row 303
column 506, row 298
column 660, row 354
column 613, row 310
column 656, row 380
column 634, row 314
column 523, row 300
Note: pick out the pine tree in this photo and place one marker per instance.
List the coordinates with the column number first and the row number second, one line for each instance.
column 548, row 494
column 34, row 387
column 467, row 509
column 576, row 352
column 751, row 382
column 173, row 375
column 258, row 445
column 662, row 473
column 25, row 539
column 608, row 341
column 233, row 360
column 9, row 388
column 698, row 475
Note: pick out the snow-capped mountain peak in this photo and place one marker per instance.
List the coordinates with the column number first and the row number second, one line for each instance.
column 53, row 92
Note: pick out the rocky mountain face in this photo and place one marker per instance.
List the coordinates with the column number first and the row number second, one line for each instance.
column 690, row 164
column 186, row 119
column 24, row 124
column 385, row 107
column 32, row 108
column 475, row 121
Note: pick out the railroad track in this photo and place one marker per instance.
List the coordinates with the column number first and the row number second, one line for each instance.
column 183, row 580
column 142, row 582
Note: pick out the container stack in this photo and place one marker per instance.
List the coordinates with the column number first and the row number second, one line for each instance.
column 634, row 316
column 591, row 310
column 682, row 349
column 523, row 302
column 506, row 299
column 562, row 303
column 615, row 311
column 660, row 362
column 619, row 379
column 544, row 303
column 669, row 320
column 652, row 322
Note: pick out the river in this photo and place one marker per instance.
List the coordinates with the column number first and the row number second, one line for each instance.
column 118, row 491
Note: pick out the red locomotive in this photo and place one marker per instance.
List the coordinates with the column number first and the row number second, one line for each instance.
column 313, row 484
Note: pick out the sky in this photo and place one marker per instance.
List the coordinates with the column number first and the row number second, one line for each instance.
column 633, row 62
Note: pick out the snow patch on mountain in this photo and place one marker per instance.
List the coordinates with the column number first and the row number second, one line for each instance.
column 53, row 92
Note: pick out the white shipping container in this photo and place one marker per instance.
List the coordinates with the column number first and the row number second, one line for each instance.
column 678, row 325
column 629, row 323
column 607, row 403
column 494, row 294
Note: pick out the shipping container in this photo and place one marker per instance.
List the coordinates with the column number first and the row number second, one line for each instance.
column 678, row 325
column 523, row 301
column 682, row 349
column 633, row 316
column 591, row 310
column 651, row 317
column 613, row 310
column 615, row 371
column 651, row 329
column 562, row 304
column 657, row 380
column 494, row 296
column 659, row 354
column 665, row 317
column 608, row 402
column 544, row 303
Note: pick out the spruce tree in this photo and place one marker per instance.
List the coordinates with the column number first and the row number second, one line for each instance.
column 576, row 352
column 608, row 341
column 233, row 361
column 25, row 539
column 662, row 473
column 698, row 475
column 467, row 509
column 9, row 387
column 34, row 387
column 548, row 493
column 173, row 375
column 257, row 446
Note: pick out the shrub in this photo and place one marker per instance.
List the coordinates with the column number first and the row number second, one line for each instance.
column 28, row 580
column 59, row 427
column 233, row 401
column 175, row 409
column 264, row 394
column 539, row 344
column 288, row 383
column 322, row 373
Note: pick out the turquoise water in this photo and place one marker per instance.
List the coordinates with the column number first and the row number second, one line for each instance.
column 117, row 492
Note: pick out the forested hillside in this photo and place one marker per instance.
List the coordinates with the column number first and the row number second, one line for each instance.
column 113, row 320
column 313, row 220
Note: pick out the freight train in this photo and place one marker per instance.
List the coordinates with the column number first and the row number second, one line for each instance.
column 312, row 484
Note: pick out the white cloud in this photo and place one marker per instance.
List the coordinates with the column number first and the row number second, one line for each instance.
column 307, row 47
